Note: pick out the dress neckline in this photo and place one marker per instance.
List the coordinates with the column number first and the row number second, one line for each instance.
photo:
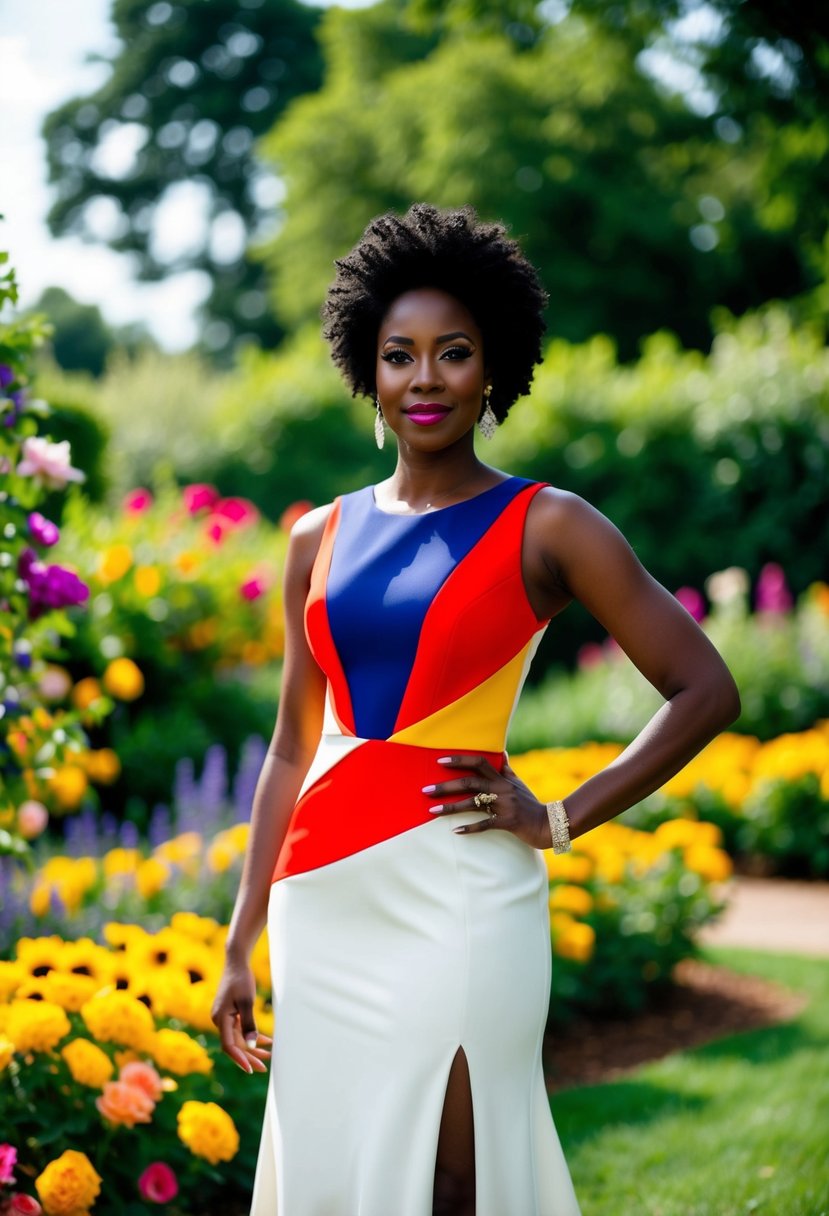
column 436, row 510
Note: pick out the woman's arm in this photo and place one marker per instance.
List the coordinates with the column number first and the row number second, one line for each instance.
column 291, row 750
column 572, row 551
column 587, row 557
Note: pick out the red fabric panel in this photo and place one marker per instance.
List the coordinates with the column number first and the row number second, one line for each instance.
column 469, row 635
column 317, row 628
column 370, row 795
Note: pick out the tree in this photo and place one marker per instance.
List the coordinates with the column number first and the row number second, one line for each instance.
column 192, row 87
column 81, row 339
column 639, row 215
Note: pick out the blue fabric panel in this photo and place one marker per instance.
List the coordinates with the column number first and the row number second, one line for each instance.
column 385, row 571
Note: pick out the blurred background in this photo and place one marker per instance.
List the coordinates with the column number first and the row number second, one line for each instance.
column 178, row 178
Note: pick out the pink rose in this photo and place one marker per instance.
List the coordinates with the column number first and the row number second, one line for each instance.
column 137, row 501
column 238, row 511
column 48, row 462
column 692, row 602
column 24, row 1205
column 8, row 1160
column 158, row 1183
column 32, row 818
column 253, row 588
column 199, row 497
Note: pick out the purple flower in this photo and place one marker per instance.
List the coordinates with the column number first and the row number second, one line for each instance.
column 772, row 594
column 6, row 375
column 43, row 530
column 50, row 586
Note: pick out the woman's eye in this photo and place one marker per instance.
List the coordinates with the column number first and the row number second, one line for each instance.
column 458, row 352
column 395, row 356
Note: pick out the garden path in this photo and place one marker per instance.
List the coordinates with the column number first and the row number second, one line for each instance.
column 782, row 914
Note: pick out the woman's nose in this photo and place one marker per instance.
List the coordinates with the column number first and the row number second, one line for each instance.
column 426, row 377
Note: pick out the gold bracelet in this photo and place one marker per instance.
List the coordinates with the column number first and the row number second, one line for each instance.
column 559, row 827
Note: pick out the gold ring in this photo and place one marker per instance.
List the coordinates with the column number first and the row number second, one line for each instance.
column 485, row 800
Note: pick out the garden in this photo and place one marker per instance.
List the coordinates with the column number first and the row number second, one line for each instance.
column 145, row 508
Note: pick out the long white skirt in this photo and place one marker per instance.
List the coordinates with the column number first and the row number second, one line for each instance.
column 385, row 964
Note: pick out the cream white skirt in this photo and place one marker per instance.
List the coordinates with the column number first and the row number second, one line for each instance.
column 385, row 964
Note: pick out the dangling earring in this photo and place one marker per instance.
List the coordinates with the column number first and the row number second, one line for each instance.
column 487, row 422
column 379, row 429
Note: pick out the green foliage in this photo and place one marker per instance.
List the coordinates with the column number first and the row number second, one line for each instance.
column 637, row 214
column 644, row 924
column 193, row 85
column 81, row 339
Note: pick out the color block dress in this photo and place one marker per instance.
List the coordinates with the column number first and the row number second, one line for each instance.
column 394, row 942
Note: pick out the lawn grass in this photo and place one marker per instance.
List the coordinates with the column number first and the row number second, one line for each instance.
column 737, row 1127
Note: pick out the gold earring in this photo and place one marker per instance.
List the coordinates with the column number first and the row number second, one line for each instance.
column 487, row 423
column 379, row 429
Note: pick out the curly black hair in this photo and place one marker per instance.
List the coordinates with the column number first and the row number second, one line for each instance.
column 453, row 250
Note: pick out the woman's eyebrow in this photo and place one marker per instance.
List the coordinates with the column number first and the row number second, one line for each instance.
column 458, row 333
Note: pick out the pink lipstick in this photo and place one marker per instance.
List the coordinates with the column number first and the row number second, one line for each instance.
column 427, row 413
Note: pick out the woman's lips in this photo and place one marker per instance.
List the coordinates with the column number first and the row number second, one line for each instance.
column 426, row 415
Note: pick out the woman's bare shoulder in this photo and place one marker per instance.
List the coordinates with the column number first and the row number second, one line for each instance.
column 305, row 537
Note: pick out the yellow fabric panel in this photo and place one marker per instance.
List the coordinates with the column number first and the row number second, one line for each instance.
column 477, row 720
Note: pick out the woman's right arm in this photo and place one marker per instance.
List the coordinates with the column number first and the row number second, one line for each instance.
column 291, row 750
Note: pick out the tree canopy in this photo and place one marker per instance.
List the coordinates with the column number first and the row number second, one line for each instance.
column 192, row 87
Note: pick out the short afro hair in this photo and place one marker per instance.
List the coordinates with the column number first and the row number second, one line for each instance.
column 455, row 251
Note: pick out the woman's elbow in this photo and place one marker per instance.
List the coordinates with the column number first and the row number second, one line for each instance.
column 725, row 700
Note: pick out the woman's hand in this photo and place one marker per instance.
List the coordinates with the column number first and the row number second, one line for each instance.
column 232, row 1015
column 515, row 810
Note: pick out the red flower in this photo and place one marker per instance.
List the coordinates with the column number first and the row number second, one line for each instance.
column 137, row 500
column 293, row 512
column 158, row 1183
column 199, row 497
column 23, row 1205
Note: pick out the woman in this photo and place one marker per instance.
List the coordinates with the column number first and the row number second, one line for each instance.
column 394, row 853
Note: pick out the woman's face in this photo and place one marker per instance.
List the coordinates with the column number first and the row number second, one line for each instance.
column 430, row 368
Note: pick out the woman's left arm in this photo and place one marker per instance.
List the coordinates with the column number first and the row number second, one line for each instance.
column 576, row 552
column 587, row 555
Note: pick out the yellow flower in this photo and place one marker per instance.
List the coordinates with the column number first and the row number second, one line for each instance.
column 121, row 861
column 39, row 898
column 85, row 692
column 572, row 867
column 102, row 765
column 576, row 942
column 123, row 679
column 6, row 1052
column 117, row 1017
column 69, row 1185
column 68, row 784
column 710, row 863
column 70, row 991
column 36, row 1025
column 208, row 1131
column 202, row 928
column 147, row 580
column 150, row 876
column 571, row 899
column 221, row 855
column 114, row 562
column 11, row 974
column 175, row 1051
column 87, row 1063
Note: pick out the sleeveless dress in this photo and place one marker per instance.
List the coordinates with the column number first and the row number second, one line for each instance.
column 393, row 941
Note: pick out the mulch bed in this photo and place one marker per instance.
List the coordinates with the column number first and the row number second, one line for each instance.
column 706, row 1002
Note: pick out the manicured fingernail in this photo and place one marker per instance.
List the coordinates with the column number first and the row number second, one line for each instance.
column 458, row 831
column 246, row 1067
column 444, row 760
column 428, row 789
column 251, row 1040
column 433, row 810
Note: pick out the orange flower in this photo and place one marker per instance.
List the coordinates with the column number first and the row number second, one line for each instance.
column 143, row 1076
column 125, row 1104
